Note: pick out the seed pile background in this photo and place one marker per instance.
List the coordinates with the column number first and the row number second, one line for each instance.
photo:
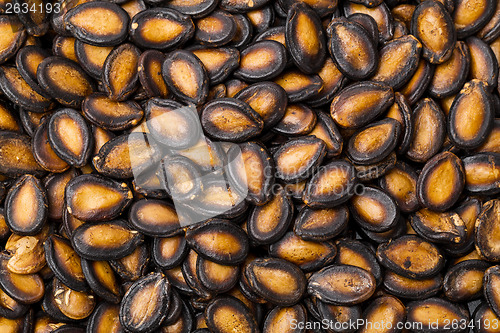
column 367, row 188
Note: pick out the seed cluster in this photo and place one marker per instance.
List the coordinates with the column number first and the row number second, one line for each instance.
column 250, row 166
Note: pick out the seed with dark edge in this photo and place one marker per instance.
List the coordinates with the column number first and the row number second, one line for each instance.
column 65, row 262
column 269, row 222
column 103, row 318
column 327, row 285
column 347, row 38
column 331, row 186
column 105, row 240
column 308, row 255
column 381, row 14
column 223, row 314
column 445, row 172
column 385, row 308
column 219, row 62
column 298, row 85
column 23, row 288
column 168, row 252
column 216, row 29
column 276, row 280
column 102, row 280
column 464, row 281
column 98, row 23
column 27, row 252
column 321, row 224
column 216, row 277
column 487, row 233
column 120, row 73
column 360, row 103
column 481, row 173
column 471, row 115
column 219, row 241
column 186, row 76
column 262, row 60
column 146, row 303
column 154, row 217
column 230, row 119
column 483, row 64
column 483, row 315
column 451, row 75
column 373, row 143
column 399, row 60
column 305, row 38
column 278, row 319
column 69, row 136
column 437, row 46
column 436, row 310
column 110, row 114
column 404, row 255
column 132, row 266
column 447, row 227
column 468, row 20
column 297, row 120
column 13, row 34
column 95, row 198
column 408, row 288
column 374, row 210
column 26, row 206
column 428, row 122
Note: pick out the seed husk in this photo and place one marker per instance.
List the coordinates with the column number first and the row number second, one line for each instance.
column 347, row 38
column 327, row 285
column 276, row 280
column 64, row 46
column 92, row 57
column 219, row 241
column 132, row 266
column 483, row 64
column 27, row 252
column 216, row 277
column 26, row 206
column 333, row 80
column 401, row 184
column 13, row 34
column 95, row 198
column 486, row 231
column 481, row 173
column 64, row 80
column 230, row 119
column 483, row 315
column 360, row 103
column 120, row 75
column 447, row 227
column 70, row 137
column 263, row 60
column 297, row 120
column 416, row 87
column 97, row 23
column 186, row 76
column 74, row 304
column 103, row 318
column 196, row 8
column 27, row 60
column 436, row 310
column 446, row 172
column 403, row 256
column 181, row 177
column 437, row 47
column 219, row 62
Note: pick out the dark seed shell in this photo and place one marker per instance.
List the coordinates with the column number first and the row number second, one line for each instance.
column 120, row 75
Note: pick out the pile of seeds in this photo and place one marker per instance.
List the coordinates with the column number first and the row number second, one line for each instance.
column 250, row 165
